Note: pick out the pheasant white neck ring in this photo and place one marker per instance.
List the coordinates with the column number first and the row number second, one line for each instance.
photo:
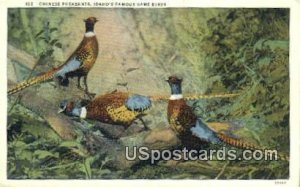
column 176, row 96
column 83, row 113
column 89, row 34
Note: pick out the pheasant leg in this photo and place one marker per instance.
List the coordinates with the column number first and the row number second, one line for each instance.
column 90, row 95
column 85, row 84
column 143, row 122
column 78, row 83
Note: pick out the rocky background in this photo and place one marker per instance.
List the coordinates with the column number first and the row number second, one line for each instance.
column 215, row 50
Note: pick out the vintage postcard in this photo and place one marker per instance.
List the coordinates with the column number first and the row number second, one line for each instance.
column 146, row 90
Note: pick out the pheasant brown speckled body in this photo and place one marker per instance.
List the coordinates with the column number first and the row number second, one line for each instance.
column 77, row 65
column 181, row 119
column 180, row 116
column 87, row 52
column 114, row 108
column 110, row 108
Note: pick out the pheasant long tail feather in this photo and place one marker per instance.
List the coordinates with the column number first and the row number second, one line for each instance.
column 244, row 145
column 209, row 96
column 237, row 142
column 195, row 96
column 159, row 97
column 32, row 81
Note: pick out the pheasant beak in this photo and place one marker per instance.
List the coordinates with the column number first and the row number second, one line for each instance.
column 60, row 110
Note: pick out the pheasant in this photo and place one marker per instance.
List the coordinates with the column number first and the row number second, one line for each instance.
column 115, row 108
column 191, row 129
column 78, row 64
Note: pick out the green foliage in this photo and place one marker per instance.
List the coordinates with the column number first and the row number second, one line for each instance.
column 35, row 151
column 42, row 44
column 210, row 170
column 251, row 56
column 36, row 34
column 46, row 37
column 171, row 38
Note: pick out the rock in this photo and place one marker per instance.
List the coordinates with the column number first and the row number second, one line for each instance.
column 161, row 139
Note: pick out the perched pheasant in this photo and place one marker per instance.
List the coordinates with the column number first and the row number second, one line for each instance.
column 191, row 129
column 77, row 65
column 114, row 108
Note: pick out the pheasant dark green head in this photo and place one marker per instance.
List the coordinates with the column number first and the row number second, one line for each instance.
column 89, row 24
column 175, row 84
column 174, row 79
column 70, row 108
column 65, row 107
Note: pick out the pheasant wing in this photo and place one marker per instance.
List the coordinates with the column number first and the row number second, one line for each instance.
column 202, row 131
column 71, row 65
column 138, row 102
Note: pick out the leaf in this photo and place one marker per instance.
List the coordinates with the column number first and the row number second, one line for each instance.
column 104, row 171
column 42, row 38
column 35, row 174
column 41, row 154
column 11, row 169
column 39, row 33
column 20, row 145
column 53, row 41
column 59, row 45
column 53, row 29
column 24, row 155
column 87, row 164
column 70, row 144
column 49, row 52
